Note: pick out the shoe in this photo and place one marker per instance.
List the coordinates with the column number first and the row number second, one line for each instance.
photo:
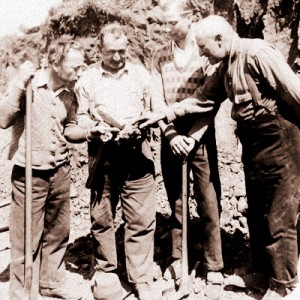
column 59, row 293
column 147, row 291
column 275, row 293
column 213, row 277
column 252, row 280
column 173, row 271
column 293, row 293
column 108, row 286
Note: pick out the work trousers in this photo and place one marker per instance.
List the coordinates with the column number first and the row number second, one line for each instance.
column 128, row 176
column 204, row 165
column 271, row 163
column 50, row 229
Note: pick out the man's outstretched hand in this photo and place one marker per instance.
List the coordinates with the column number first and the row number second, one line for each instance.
column 102, row 133
column 148, row 119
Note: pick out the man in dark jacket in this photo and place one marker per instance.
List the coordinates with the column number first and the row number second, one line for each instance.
column 266, row 105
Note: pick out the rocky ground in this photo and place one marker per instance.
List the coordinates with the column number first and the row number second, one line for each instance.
column 79, row 258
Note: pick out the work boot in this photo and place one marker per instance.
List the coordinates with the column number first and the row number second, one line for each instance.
column 214, row 277
column 275, row 293
column 60, row 293
column 147, row 291
column 293, row 293
column 254, row 280
column 173, row 271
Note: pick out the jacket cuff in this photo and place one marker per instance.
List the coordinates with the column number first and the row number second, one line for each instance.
column 197, row 135
column 170, row 132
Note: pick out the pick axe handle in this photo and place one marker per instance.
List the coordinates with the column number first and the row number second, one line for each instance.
column 184, row 254
column 28, row 194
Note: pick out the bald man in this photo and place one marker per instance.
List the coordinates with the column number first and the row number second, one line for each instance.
column 266, row 106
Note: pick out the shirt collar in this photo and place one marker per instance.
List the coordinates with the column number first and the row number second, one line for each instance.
column 122, row 71
column 42, row 79
column 191, row 41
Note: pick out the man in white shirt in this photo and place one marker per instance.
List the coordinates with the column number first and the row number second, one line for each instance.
column 113, row 93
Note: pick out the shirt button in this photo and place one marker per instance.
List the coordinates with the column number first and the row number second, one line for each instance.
column 52, row 162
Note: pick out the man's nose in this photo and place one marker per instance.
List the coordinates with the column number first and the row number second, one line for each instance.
column 116, row 56
column 79, row 72
column 167, row 28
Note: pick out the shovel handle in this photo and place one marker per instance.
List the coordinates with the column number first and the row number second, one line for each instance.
column 184, row 254
column 28, row 194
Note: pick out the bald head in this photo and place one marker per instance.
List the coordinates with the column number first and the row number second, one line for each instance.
column 213, row 36
column 214, row 25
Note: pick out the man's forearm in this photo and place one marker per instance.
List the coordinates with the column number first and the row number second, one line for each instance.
column 187, row 106
column 75, row 133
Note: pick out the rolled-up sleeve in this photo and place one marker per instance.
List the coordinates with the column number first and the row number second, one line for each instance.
column 73, row 131
column 158, row 103
column 10, row 105
column 79, row 121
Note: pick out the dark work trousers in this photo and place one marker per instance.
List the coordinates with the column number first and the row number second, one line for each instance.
column 204, row 165
column 50, row 229
column 271, row 162
column 127, row 175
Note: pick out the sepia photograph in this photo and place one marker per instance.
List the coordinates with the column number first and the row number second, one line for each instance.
column 149, row 149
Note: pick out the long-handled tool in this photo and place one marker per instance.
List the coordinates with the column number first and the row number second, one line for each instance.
column 185, row 280
column 28, row 195
column 184, row 287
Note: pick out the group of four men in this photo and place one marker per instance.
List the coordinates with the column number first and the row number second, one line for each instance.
column 185, row 89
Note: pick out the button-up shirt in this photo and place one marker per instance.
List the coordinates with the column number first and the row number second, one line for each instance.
column 275, row 80
column 50, row 112
column 123, row 96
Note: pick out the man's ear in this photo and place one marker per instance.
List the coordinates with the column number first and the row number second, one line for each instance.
column 55, row 67
column 190, row 17
column 127, row 53
column 219, row 39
